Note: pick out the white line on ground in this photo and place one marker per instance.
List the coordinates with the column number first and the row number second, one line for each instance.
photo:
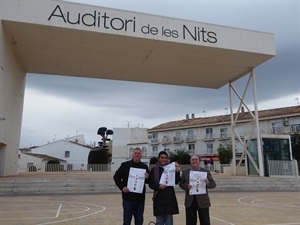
column 224, row 221
column 57, row 213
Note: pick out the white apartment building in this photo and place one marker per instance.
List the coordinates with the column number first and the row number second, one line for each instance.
column 203, row 135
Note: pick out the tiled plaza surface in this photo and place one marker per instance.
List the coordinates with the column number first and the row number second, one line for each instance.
column 228, row 208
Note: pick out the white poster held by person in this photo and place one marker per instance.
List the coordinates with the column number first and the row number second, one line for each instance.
column 136, row 180
column 168, row 175
column 197, row 181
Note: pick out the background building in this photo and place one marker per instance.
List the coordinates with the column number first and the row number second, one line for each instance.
column 203, row 135
column 124, row 141
column 71, row 154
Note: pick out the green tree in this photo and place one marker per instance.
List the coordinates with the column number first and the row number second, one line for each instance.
column 153, row 160
column 98, row 156
column 225, row 153
column 180, row 156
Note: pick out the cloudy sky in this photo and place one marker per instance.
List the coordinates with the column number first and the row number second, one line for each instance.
column 54, row 108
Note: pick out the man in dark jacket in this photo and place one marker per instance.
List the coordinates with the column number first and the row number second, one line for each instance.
column 164, row 199
column 196, row 203
column 133, row 203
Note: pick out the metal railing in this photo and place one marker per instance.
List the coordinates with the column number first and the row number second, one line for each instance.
column 44, row 167
column 283, row 168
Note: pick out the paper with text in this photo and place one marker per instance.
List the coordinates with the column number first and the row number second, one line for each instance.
column 168, row 175
column 197, row 180
column 136, row 180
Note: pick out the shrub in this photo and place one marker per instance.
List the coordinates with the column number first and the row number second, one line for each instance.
column 225, row 153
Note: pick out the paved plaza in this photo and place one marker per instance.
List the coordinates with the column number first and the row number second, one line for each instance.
column 228, row 208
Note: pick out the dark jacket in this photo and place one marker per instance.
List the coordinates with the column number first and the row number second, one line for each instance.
column 202, row 199
column 121, row 178
column 164, row 201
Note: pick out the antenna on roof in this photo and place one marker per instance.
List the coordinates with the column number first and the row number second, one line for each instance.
column 297, row 99
column 204, row 113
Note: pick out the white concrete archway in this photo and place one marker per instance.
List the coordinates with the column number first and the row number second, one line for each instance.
column 63, row 38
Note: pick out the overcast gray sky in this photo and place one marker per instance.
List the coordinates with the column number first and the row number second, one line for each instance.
column 56, row 107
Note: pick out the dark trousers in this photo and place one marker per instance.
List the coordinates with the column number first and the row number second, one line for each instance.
column 191, row 214
column 135, row 208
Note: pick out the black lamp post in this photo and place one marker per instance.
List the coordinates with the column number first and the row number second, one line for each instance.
column 104, row 132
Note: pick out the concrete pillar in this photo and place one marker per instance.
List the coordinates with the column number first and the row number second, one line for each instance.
column 12, row 85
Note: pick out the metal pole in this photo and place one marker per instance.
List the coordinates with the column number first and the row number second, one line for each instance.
column 232, row 131
column 258, row 136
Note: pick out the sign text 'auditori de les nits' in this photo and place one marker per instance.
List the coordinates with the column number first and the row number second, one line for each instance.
column 131, row 24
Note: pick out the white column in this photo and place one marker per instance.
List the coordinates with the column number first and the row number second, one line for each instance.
column 258, row 136
column 12, row 85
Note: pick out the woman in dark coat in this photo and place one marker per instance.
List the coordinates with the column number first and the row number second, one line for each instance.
column 164, row 199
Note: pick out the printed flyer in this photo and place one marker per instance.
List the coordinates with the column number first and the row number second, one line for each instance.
column 197, row 180
column 136, row 180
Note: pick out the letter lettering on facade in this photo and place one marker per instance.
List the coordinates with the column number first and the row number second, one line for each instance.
column 74, row 22
column 117, row 23
column 199, row 34
column 89, row 19
column 212, row 37
column 58, row 15
column 104, row 21
column 186, row 29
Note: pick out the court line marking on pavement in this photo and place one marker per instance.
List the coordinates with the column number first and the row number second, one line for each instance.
column 275, row 204
column 264, row 206
column 57, row 213
column 79, row 217
column 224, row 221
column 269, row 206
column 45, row 217
column 103, row 208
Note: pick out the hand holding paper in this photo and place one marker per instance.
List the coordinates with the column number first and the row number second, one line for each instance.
column 168, row 176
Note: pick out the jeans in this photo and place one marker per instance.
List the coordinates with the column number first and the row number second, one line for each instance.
column 135, row 208
column 164, row 220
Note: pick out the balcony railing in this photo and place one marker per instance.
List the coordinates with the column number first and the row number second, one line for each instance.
column 154, row 141
column 209, row 151
column 224, row 135
column 191, row 151
column 209, row 136
column 177, row 139
column 191, row 138
column 295, row 128
column 166, row 140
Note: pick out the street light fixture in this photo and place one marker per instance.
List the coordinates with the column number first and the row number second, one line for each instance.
column 104, row 132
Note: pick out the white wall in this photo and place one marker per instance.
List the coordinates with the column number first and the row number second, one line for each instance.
column 78, row 153
column 12, row 85
column 123, row 140
column 25, row 159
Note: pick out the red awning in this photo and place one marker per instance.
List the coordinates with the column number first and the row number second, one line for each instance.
column 210, row 158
